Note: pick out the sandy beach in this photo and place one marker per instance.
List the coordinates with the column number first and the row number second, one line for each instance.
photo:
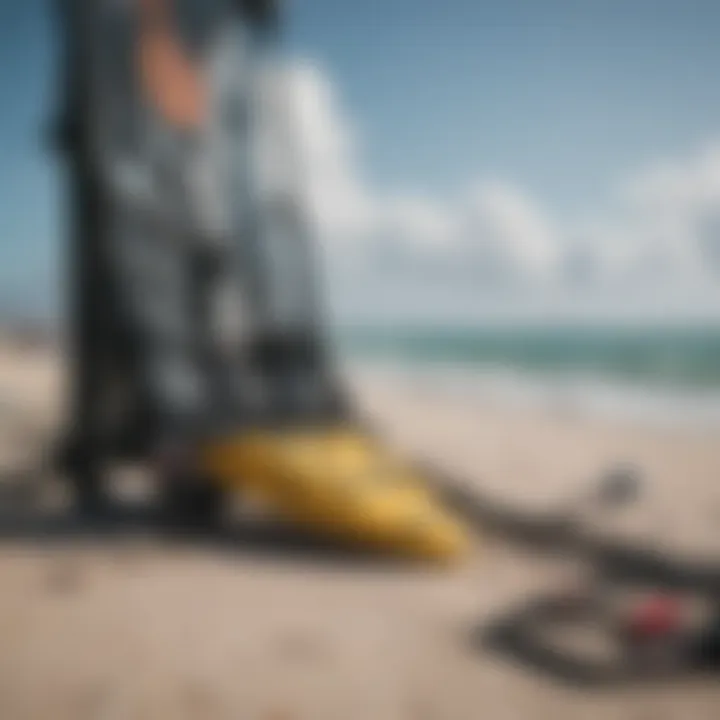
column 139, row 627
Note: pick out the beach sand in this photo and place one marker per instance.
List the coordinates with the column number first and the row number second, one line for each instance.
column 137, row 627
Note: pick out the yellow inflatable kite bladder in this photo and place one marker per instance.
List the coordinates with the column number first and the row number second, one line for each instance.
column 342, row 484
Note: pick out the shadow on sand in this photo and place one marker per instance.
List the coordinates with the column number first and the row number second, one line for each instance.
column 256, row 537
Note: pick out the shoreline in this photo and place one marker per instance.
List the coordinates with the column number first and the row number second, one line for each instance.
column 690, row 409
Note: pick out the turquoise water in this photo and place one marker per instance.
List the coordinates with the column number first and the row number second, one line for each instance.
column 650, row 356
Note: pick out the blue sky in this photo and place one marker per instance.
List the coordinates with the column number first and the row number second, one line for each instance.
column 562, row 95
column 28, row 208
column 551, row 108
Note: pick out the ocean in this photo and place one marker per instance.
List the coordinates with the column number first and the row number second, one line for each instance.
column 648, row 374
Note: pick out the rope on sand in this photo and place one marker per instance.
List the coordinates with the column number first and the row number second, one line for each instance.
column 561, row 533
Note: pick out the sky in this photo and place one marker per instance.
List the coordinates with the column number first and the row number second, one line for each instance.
column 464, row 160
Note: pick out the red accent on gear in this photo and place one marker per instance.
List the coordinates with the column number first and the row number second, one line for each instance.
column 655, row 617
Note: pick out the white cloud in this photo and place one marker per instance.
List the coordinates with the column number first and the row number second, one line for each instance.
column 662, row 236
column 502, row 216
column 675, row 213
column 332, row 184
column 418, row 221
column 346, row 209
